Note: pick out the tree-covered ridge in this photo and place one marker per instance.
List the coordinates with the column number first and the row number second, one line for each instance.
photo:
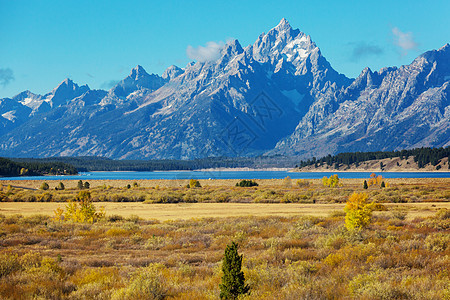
column 422, row 156
column 34, row 168
column 87, row 163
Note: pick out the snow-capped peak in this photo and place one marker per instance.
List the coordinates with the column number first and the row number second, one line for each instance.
column 283, row 42
column 283, row 25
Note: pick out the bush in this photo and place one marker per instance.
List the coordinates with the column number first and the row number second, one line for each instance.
column 8, row 263
column 193, row 183
column 303, row 183
column 287, row 182
column 443, row 214
column 246, row 183
column 358, row 211
column 82, row 210
column 44, row 186
column 60, row 186
column 333, row 181
column 147, row 283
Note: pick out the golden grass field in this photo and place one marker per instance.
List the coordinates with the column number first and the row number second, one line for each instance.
column 186, row 211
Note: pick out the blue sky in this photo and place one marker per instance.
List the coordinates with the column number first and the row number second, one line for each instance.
column 99, row 42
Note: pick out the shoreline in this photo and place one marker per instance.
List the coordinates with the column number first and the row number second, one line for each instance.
column 368, row 171
column 241, row 169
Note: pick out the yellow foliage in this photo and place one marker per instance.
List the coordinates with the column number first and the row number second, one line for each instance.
column 80, row 211
column 287, row 182
column 303, row 183
column 376, row 180
column 358, row 211
column 333, row 181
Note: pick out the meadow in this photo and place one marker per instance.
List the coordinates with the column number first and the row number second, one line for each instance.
column 292, row 237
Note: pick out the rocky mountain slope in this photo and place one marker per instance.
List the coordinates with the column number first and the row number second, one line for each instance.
column 277, row 96
column 392, row 109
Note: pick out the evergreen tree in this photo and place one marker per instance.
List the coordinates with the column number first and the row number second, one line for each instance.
column 383, row 185
column 87, row 185
column 233, row 281
column 80, row 185
column 365, row 185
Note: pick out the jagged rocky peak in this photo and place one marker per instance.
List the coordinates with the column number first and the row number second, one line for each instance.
column 66, row 91
column 365, row 79
column 283, row 41
column 68, row 86
column 172, row 72
column 283, row 25
column 26, row 96
column 138, row 72
column 232, row 47
column 138, row 79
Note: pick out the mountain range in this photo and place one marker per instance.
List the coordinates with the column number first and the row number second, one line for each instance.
column 278, row 96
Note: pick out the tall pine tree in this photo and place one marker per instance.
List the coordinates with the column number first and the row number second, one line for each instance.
column 233, row 281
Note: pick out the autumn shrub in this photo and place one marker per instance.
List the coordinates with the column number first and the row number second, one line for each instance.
column 303, row 183
column 399, row 214
column 9, row 263
column 332, row 181
column 287, row 182
column 146, row 283
column 194, row 183
column 443, row 214
column 358, row 211
column 372, row 286
column 292, row 197
column 82, row 210
column 437, row 241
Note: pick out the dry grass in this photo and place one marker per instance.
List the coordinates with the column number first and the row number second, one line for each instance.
column 297, row 257
column 35, row 184
column 186, row 211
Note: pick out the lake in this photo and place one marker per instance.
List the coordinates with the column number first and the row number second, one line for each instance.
column 228, row 175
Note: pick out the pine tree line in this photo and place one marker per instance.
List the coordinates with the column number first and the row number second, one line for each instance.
column 34, row 168
column 85, row 164
column 422, row 156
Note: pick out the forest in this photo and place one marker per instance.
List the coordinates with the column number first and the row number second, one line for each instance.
column 422, row 156
column 95, row 163
column 10, row 168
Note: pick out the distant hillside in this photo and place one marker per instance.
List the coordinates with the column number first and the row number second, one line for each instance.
column 420, row 159
column 10, row 168
column 92, row 163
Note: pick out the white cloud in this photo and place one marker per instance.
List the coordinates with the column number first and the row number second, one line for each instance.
column 6, row 76
column 404, row 40
column 210, row 52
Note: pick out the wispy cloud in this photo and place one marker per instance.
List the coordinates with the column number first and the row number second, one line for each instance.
column 6, row 76
column 210, row 52
column 404, row 40
column 109, row 84
column 90, row 75
column 363, row 49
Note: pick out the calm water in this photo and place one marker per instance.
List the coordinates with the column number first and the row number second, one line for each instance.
column 230, row 175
